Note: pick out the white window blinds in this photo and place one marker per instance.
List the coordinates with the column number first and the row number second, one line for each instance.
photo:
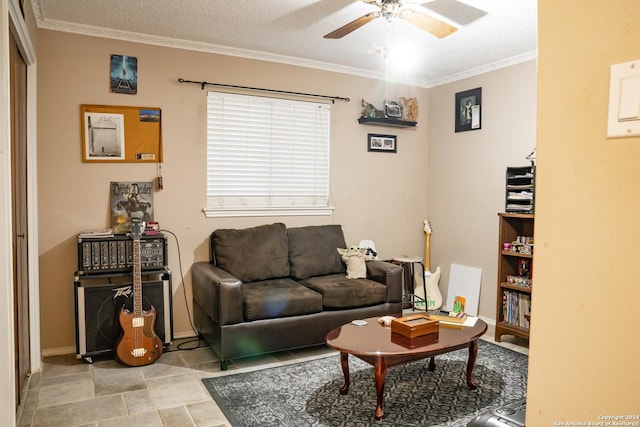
column 266, row 156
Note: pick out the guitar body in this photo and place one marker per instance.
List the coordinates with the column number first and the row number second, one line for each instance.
column 431, row 279
column 434, row 297
column 139, row 344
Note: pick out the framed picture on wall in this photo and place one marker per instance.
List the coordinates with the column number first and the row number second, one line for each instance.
column 123, row 74
column 468, row 110
column 381, row 143
column 103, row 136
column 112, row 133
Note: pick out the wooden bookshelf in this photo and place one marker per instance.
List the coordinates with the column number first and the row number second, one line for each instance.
column 513, row 300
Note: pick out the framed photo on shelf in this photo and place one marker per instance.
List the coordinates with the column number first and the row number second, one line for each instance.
column 468, row 110
column 382, row 143
column 393, row 110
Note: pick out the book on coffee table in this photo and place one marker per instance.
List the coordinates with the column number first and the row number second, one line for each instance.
column 447, row 316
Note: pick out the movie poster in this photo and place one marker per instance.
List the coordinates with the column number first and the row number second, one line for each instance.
column 130, row 200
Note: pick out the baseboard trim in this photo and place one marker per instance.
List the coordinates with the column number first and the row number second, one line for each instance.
column 48, row 352
column 181, row 335
column 488, row 321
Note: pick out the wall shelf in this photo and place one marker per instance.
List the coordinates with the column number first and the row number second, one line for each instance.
column 382, row 121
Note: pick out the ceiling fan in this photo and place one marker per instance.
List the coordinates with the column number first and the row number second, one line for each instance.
column 392, row 9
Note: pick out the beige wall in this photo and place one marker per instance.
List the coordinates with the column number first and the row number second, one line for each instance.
column 584, row 342
column 377, row 196
column 466, row 170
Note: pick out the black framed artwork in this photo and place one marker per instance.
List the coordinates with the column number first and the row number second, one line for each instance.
column 382, row 143
column 468, row 110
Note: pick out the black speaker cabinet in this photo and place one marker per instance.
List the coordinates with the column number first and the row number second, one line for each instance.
column 98, row 306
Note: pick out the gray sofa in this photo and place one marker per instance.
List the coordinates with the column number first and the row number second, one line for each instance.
column 269, row 288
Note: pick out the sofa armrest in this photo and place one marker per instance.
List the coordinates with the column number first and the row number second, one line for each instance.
column 388, row 274
column 218, row 292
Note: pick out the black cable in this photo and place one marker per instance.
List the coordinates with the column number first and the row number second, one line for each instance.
column 184, row 294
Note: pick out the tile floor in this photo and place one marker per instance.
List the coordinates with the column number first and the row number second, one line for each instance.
column 71, row 392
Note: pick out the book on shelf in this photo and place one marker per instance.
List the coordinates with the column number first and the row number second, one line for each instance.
column 516, row 308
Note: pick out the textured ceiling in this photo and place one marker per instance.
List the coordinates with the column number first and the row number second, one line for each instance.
column 491, row 33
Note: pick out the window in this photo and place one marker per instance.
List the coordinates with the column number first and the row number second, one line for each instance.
column 266, row 156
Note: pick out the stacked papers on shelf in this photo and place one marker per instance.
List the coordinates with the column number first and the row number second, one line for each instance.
column 105, row 232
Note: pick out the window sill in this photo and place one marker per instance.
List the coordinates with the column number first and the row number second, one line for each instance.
column 280, row 211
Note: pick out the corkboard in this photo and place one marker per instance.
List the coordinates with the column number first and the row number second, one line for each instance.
column 112, row 134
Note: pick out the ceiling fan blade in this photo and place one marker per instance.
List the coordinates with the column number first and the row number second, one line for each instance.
column 429, row 24
column 352, row 26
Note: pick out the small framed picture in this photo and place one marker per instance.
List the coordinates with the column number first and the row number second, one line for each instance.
column 382, row 143
column 393, row 110
column 467, row 112
column 123, row 74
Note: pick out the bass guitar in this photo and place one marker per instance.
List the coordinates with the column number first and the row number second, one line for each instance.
column 431, row 279
column 138, row 345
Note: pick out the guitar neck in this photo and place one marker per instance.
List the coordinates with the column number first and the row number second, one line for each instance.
column 427, row 252
column 137, row 280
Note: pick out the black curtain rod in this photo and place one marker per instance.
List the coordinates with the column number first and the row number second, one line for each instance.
column 203, row 84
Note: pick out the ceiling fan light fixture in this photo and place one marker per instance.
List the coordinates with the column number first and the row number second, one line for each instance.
column 392, row 9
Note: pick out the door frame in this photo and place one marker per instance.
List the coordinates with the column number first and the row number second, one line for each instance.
column 11, row 19
column 23, row 38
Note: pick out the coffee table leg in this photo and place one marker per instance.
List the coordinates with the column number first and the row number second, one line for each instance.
column 344, row 362
column 432, row 364
column 381, row 374
column 473, row 353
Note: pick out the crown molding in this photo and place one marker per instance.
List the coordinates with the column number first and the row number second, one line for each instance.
column 503, row 63
column 89, row 30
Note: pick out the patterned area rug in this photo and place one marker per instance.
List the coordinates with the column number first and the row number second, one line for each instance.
column 306, row 394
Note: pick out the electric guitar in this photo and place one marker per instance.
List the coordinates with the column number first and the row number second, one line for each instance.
column 138, row 345
column 433, row 297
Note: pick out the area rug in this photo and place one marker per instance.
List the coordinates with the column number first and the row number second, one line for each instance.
column 306, row 394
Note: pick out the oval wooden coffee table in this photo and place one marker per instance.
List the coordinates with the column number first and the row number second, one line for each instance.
column 376, row 345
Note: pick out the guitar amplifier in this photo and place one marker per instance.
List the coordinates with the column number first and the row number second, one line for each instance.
column 98, row 307
column 115, row 254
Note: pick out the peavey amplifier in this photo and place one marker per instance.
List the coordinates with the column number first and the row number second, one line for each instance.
column 98, row 307
column 115, row 254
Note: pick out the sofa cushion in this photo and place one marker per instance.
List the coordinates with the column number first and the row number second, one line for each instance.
column 339, row 292
column 276, row 298
column 252, row 254
column 313, row 250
